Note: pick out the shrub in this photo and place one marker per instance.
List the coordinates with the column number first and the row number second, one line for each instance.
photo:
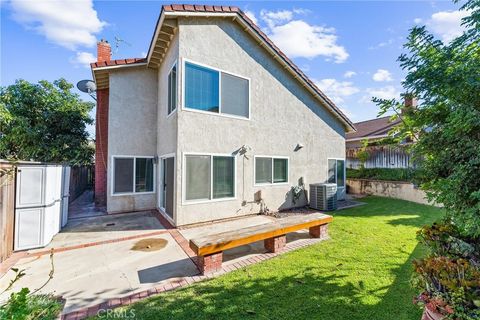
column 22, row 306
column 448, row 286
column 449, row 279
column 386, row 174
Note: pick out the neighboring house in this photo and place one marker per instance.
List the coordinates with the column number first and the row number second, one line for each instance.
column 215, row 123
column 380, row 155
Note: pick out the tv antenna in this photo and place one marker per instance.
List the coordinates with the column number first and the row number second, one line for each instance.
column 88, row 86
column 118, row 42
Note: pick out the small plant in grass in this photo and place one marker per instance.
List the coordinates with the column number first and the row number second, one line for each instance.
column 26, row 305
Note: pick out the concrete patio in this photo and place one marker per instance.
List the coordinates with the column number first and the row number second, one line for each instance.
column 94, row 262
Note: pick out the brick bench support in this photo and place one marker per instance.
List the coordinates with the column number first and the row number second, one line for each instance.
column 320, row 232
column 210, row 263
column 275, row 244
column 209, row 248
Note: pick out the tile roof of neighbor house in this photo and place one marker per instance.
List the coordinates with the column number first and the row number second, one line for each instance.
column 372, row 128
column 232, row 9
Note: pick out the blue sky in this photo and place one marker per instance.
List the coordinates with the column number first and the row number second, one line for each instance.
column 349, row 48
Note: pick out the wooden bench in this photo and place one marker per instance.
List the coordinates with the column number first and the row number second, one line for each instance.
column 209, row 249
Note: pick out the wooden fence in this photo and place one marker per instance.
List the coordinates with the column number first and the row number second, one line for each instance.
column 7, row 209
column 381, row 157
column 81, row 178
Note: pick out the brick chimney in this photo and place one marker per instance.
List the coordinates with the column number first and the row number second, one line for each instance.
column 410, row 103
column 104, row 51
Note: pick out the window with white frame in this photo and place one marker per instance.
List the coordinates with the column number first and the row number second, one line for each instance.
column 211, row 90
column 133, row 174
column 271, row 170
column 209, row 177
column 336, row 172
column 172, row 90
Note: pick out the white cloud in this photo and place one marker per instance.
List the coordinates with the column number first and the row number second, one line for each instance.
column 417, row 20
column 382, row 75
column 447, row 24
column 387, row 92
column 273, row 18
column 69, row 24
column 84, row 59
column 251, row 15
column 337, row 90
column 349, row 74
column 143, row 54
column 297, row 38
column 382, row 44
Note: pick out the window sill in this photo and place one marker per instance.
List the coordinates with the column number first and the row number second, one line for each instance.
column 132, row 193
column 190, row 202
column 271, row 184
column 216, row 114
column 171, row 113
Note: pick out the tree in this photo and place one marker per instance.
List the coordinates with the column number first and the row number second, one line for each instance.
column 446, row 126
column 44, row 122
column 445, row 77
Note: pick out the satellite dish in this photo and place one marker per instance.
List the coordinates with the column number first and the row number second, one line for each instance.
column 87, row 86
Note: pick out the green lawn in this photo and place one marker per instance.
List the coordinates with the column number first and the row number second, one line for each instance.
column 363, row 272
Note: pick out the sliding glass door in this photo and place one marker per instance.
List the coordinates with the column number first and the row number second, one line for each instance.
column 336, row 174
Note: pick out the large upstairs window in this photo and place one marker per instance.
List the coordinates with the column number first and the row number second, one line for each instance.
column 211, row 90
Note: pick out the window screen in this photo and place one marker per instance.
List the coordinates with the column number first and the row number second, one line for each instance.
column 223, row 177
column 143, row 175
column 332, row 168
column 123, row 175
column 197, row 177
column 172, row 90
column 280, row 170
column 234, row 95
column 201, row 88
column 263, row 170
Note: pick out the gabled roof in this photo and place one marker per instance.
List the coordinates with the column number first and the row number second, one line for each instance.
column 374, row 128
column 164, row 32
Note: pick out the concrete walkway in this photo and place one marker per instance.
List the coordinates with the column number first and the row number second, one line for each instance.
column 84, row 207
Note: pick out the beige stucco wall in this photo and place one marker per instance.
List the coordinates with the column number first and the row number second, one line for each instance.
column 167, row 124
column 132, row 128
column 283, row 113
column 391, row 189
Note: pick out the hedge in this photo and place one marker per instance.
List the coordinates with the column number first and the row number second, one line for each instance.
column 397, row 174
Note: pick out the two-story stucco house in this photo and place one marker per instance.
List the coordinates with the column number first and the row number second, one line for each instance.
column 216, row 122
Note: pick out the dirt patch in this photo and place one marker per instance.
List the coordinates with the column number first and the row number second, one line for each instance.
column 150, row 244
